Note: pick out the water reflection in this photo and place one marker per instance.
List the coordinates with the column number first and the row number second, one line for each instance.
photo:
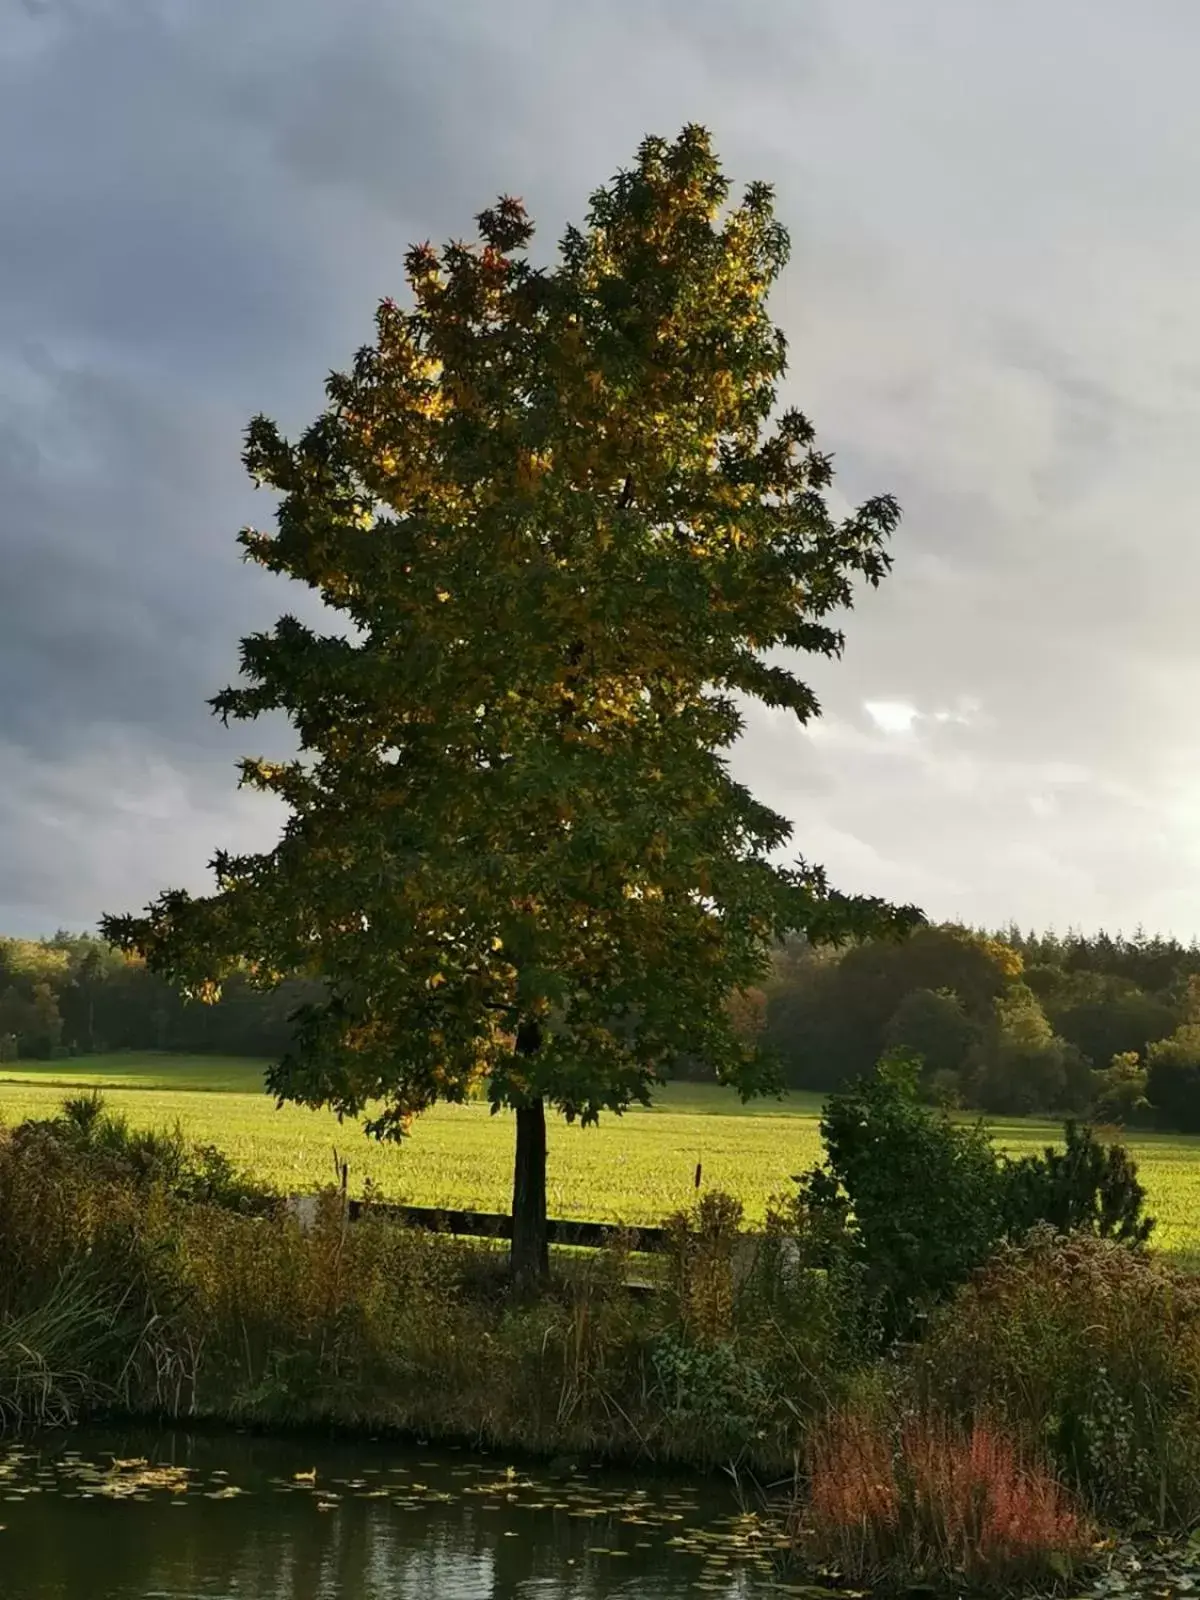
column 233, row 1518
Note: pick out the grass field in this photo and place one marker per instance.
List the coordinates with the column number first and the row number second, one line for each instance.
column 631, row 1169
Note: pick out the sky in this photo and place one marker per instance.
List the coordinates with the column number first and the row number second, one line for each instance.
column 993, row 313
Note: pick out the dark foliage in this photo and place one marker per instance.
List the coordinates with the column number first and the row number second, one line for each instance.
column 1087, row 1188
column 908, row 1204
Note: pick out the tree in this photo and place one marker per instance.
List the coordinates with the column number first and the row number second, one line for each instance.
column 748, row 1013
column 1184, row 997
column 552, row 509
column 1104, row 1016
column 31, row 1020
column 798, row 1016
column 1021, row 1066
column 92, row 966
column 1173, row 1079
column 831, row 1025
column 932, row 1024
column 1119, row 1091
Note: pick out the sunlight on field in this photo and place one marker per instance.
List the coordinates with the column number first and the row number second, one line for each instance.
column 631, row 1169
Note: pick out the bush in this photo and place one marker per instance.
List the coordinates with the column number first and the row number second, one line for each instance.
column 1092, row 1352
column 906, row 1204
column 1087, row 1188
column 85, row 1133
column 753, row 1342
column 926, row 1504
column 715, row 1390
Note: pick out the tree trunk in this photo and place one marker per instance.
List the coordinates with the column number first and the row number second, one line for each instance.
column 530, row 1259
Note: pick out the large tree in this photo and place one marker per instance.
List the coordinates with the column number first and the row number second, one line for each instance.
column 553, row 507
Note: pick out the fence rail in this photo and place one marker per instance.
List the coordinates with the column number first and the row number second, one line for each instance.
column 492, row 1224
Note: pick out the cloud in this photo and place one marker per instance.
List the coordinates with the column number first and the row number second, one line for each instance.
column 110, row 823
column 990, row 312
column 892, row 716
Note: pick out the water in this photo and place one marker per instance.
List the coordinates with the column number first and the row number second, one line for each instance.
column 129, row 1516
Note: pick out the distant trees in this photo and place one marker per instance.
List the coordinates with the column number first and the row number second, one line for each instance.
column 1020, row 1065
column 933, row 1024
column 1104, row 1014
column 830, row 1019
column 31, row 975
column 1004, row 1024
column 1173, row 1078
column 1120, row 1090
column 75, row 994
column 30, row 1022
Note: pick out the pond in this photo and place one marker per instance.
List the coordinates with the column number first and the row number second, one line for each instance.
column 153, row 1516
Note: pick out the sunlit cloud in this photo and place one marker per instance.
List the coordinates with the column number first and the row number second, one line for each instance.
column 892, row 716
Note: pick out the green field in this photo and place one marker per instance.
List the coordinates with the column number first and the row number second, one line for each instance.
column 632, row 1169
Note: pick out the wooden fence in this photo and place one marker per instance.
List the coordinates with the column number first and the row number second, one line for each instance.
column 489, row 1224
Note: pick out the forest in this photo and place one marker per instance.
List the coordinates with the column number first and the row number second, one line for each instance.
column 1005, row 1023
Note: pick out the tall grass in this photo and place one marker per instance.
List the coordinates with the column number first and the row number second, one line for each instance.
column 50, row 1354
column 928, row 1503
column 133, row 1277
column 210, row 1310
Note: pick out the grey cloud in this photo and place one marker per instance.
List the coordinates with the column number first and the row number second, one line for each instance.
column 990, row 310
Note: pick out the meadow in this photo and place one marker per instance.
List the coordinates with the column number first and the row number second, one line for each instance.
column 632, row 1169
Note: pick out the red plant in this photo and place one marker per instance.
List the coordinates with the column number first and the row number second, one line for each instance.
column 926, row 1502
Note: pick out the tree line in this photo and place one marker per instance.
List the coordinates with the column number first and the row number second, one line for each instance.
column 1003, row 1022
column 77, row 995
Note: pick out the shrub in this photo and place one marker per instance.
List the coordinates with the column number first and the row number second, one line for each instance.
column 1090, row 1350
column 751, row 1341
column 906, row 1204
column 1087, row 1188
column 924, row 1503
column 84, row 1132
column 716, row 1391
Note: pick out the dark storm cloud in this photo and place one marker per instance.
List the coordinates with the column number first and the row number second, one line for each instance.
column 991, row 312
